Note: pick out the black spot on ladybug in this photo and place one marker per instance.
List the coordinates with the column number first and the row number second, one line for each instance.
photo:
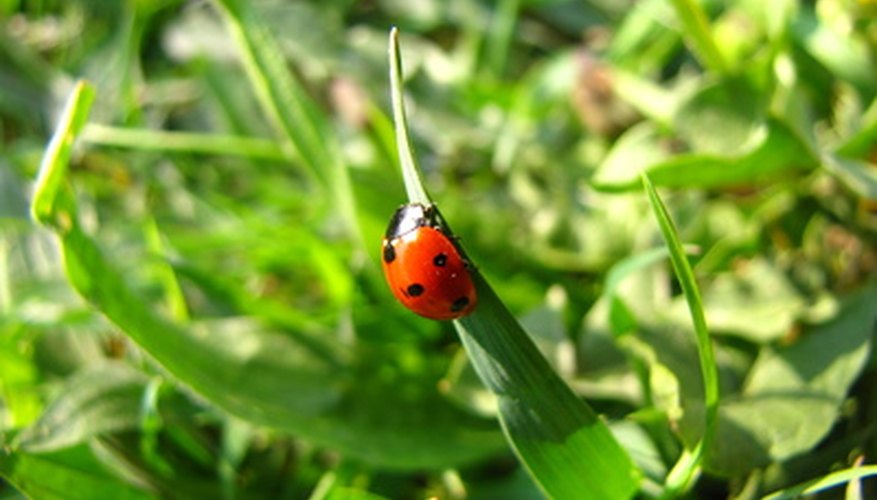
column 440, row 260
column 389, row 253
column 459, row 304
column 414, row 290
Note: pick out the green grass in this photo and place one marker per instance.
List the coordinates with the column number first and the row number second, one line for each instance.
column 561, row 441
column 192, row 197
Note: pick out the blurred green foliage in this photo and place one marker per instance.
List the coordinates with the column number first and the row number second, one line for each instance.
column 232, row 335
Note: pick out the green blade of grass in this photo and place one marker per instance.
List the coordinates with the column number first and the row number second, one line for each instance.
column 826, row 482
column 688, row 465
column 410, row 173
column 296, row 115
column 567, row 449
column 185, row 142
column 281, row 96
column 57, row 157
column 564, row 445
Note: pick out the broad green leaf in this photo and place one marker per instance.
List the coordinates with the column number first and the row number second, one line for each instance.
column 859, row 176
column 604, row 372
column 755, row 301
column 104, row 399
column 635, row 150
column 847, row 57
column 641, row 448
column 734, row 107
column 71, row 474
column 862, row 141
column 631, row 265
column 621, row 317
column 793, row 395
column 651, row 100
column 775, row 150
column 544, row 325
column 778, row 151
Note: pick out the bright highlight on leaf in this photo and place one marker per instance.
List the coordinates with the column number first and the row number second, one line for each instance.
column 54, row 165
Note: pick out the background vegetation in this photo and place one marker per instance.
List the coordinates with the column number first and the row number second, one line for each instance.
column 201, row 313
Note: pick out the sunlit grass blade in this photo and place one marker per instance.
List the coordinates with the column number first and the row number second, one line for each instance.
column 280, row 95
column 829, row 481
column 568, row 450
column 284, row 99
column 57, row 156
column 688, row 466
column 173, row 292
column 410, row 173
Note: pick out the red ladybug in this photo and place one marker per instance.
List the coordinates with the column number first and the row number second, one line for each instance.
column 423, row 266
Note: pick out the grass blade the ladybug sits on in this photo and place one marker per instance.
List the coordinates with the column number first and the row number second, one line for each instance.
column 566, row 447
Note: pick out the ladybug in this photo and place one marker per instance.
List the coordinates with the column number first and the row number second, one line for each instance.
column 424, row 267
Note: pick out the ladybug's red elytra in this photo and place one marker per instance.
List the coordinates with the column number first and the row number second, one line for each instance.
column 425, row 269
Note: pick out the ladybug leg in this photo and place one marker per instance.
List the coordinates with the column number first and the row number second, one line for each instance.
column 456, row 240
column 469, row 266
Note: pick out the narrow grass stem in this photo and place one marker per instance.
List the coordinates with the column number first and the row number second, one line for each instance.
column 688, row 466
column 55, row 162
column 696, row 27
column 410, row 172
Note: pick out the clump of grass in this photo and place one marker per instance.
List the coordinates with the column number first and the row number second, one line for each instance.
column 189, row 301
